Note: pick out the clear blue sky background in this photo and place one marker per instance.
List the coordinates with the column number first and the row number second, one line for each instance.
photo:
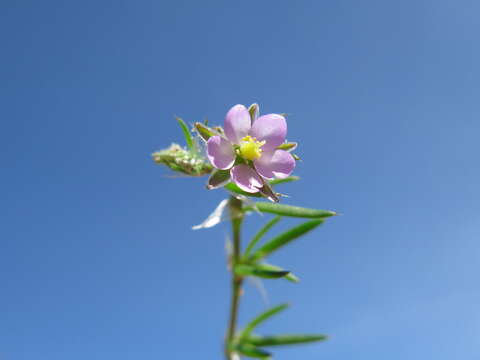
column 97, row 258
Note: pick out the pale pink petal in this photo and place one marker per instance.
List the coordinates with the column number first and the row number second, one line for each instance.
column 220, row 152
column 275, row 164
column 246, row 178
column 237, row 123
column 272, row 128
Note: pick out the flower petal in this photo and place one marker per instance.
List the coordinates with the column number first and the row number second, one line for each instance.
column 220, row 152
column 237, row 123
column 275, row 164
column 272, row 128
column 246, row 178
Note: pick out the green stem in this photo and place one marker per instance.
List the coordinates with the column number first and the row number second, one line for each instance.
column 236, row 216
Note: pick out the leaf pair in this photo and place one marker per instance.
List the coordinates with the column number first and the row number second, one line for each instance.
column 266, row 271
column 250, row 265
column 248, row 344
column 286, row 237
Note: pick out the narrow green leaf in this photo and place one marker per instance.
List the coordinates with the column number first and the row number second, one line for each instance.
column 261, row 318
column 288, row 146
column 259, row 271
column 252, row 351
column 218, row 178
column 204, row 131
column 296, row 157
column 188, row 136
column 243, row 270
column 287, row 339
column 290, row 276
column 260, row 234
column 291, row 211
column 285, row 238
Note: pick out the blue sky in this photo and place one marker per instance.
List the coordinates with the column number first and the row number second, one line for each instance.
column 97, row 258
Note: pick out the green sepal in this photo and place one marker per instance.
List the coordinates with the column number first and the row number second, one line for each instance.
column 289, row 146
column 204, row 131
column 218, row 178
column 268, row 192
column 291, row 211
column 285, row 180
column 218, row 130
column 252, row 351
column 260, row 319
column 285, row 238
column 235, row 189
column 253, row 110
column 187, row 134
column 259, row 271
column 259, row 235
column 296, row 157
column 286, row 339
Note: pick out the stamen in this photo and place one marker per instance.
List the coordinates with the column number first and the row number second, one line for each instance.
column 250, row 148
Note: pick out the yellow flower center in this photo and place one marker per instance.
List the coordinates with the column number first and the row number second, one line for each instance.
column 250, row 148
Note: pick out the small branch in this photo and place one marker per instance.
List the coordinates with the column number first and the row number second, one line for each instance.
column 236, row 216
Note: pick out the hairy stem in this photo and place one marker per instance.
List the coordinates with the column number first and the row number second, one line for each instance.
column 236, row 215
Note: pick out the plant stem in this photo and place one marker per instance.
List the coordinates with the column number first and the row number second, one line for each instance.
column 236, row 216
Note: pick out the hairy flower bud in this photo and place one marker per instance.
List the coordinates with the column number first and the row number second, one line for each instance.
column 184, row 161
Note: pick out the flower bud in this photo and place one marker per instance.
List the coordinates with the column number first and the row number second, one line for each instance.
column 181, row 160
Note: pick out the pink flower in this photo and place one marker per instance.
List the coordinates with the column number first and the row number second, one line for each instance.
column 252, row 146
